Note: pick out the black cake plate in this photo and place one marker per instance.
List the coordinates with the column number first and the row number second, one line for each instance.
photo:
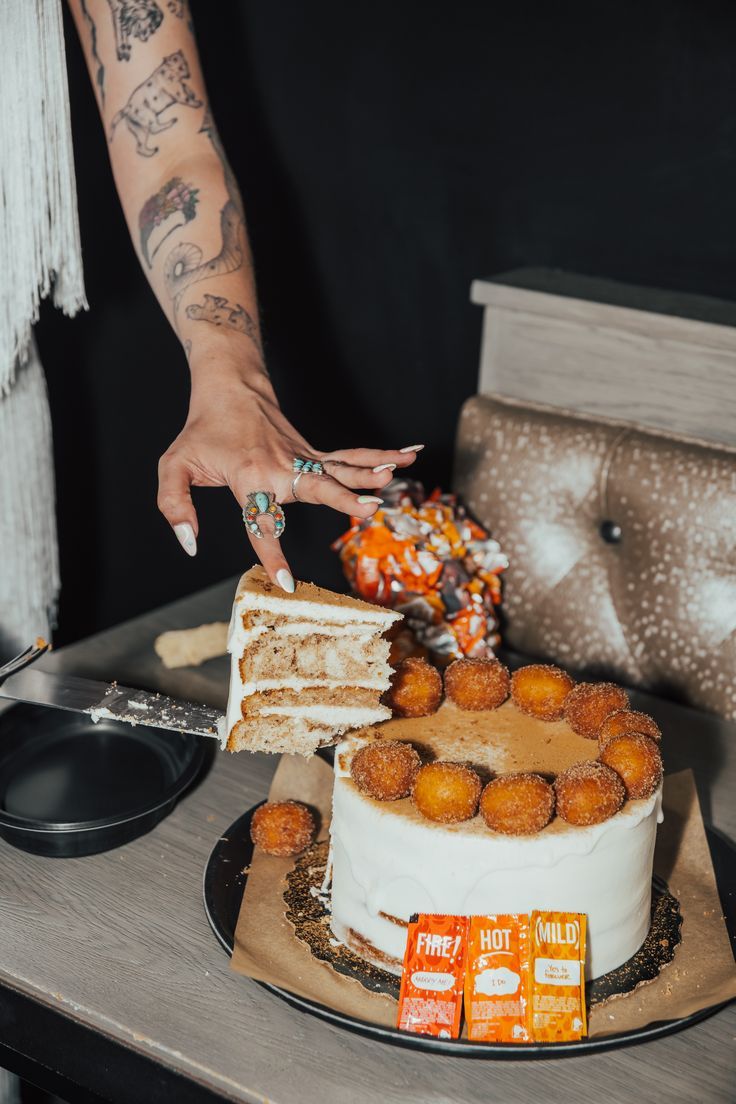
column 224, row 883
column 69, row 787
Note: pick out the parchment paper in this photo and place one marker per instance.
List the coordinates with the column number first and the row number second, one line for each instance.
column 702, row 974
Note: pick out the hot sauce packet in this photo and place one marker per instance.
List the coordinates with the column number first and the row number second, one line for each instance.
column 497, row 979
column 431, row 997
column 558, row 982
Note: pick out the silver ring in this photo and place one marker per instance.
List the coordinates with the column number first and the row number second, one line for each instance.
column 294, row 482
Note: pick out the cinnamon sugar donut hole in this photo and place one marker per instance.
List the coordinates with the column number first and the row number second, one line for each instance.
column 628, row 720
column 385, row 769
column 416, row 688
column 518, row 804
column 446, row 792
column 588, row 793
column 477, row 684
column 590, row 703
column 540, row 690
column 636, row 760
column 282, row 827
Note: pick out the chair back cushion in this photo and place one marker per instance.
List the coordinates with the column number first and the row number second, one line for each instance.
column 622, row 545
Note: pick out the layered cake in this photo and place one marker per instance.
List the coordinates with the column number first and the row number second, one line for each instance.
column 391, row 860
column 305, row 667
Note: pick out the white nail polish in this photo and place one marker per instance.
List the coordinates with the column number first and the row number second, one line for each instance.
column 365, row 499
column 186, row 538
column 412, row 448
column 285, row 580
column 384, row 467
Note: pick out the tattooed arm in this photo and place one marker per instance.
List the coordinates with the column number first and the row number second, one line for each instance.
column 186, row 221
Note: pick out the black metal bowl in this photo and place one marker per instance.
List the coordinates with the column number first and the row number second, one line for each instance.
column 69, row 787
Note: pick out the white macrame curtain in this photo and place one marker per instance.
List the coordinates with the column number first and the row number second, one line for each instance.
column 29, row 563
column 39, row 229
column 39, row 255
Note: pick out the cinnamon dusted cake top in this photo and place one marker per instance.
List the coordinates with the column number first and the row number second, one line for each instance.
column 256, row 591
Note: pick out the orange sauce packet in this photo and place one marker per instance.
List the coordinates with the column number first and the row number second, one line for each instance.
column 431, row 997
column 558, row 981
column 497, row 979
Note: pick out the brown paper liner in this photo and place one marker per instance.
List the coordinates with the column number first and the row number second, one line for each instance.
column 702, row 974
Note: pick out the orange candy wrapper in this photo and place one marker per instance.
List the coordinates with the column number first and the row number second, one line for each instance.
column 427, row 559
column 558, row 983
column 431, row 997
column 497, row 979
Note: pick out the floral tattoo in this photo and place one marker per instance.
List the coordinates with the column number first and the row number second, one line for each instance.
column 171, row 207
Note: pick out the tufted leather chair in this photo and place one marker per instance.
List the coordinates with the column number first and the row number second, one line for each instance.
column 622, row 545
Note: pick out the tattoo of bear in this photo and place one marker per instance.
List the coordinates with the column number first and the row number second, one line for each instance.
column 146, row 103
column 220, row 312
column 133, row 19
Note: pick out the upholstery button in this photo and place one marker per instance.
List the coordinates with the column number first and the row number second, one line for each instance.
column 611, row 532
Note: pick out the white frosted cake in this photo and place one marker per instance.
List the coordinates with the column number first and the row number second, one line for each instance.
column 390, row 862
column 305, row 667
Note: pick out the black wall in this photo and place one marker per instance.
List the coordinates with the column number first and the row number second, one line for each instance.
column 388, row 154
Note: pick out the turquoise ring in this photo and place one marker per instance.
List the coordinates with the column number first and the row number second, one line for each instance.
column 258, row 504
column 302, row 466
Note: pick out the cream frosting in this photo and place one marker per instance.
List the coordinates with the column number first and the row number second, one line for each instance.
column 342, row 716
column 260, row 686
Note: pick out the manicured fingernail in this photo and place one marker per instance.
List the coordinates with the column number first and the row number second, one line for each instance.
column 285, row 580
column 365, row 499
column 384, row 467
column 412, row 448
column 186, row 538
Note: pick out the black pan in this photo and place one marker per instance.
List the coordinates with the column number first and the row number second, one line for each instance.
column 69, row 787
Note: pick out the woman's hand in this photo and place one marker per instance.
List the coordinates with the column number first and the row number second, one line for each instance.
column 236, row 436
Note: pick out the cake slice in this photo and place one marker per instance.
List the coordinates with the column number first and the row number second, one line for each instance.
column 305, row 667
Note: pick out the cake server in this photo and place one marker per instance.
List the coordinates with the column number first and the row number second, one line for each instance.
column 103, row 699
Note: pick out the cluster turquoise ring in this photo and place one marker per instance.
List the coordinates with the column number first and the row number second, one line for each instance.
column 303, row 466
column 260, row 504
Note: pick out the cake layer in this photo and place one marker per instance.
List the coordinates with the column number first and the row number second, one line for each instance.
column 390, row 862
column 304, row 657
column 253, row 625
column 290, row 735
column 322, row 695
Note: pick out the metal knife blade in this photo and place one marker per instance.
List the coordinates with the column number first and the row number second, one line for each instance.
column 120, row 703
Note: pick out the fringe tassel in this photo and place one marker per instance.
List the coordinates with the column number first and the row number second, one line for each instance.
column 29, row 565
column 39, row 227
